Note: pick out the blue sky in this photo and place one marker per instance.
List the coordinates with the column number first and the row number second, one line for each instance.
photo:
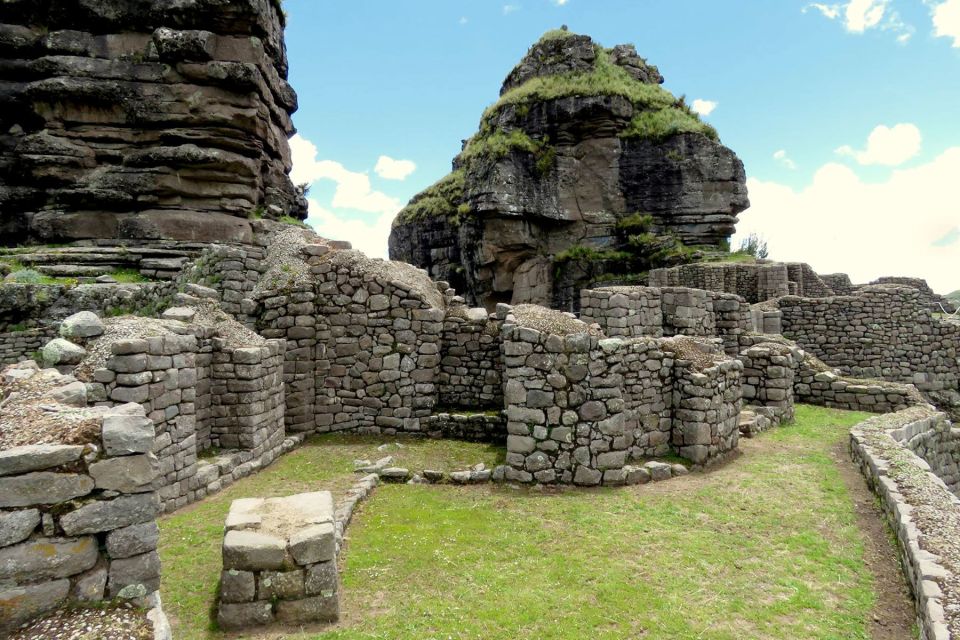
column 843, row 113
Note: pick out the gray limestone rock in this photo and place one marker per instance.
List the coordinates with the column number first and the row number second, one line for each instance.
column 29, row 601
column 60, row 352
column 37, row 457
column 127, row 474
column 133, row 540
column 107, row 515
column 42, row 488
column 127, row 434
column 84, row 324
column 252, row 551
column 16, row 526
column 47, row 559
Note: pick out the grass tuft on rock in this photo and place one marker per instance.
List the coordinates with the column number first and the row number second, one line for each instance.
column 440, row 199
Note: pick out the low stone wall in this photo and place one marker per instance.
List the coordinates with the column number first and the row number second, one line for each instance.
column 378, row 346
column 471, row 365
column 923, row 514
column 474, row 427
column 279, row 562
column 752, row 282
column 564, row 409
column 937, row 442
column 16, row 346
column 78, row 521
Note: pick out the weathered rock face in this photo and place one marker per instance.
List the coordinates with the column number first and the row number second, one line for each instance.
column 586, row 169
column 130, row 119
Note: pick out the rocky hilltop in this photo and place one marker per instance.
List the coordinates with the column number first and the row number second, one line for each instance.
column 143, row 120
column 585, row 170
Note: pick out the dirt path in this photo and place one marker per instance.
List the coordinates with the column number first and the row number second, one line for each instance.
column 893, row 613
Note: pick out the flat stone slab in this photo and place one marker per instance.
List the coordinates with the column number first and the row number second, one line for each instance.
column 37, row 457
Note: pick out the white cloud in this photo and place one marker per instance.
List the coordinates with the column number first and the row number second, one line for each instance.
column 390, row 169
column 831, row 11
column 946, row 21
column 888, row 146
column 463, row 20
column 369, row 237
column 841, row 224
column 510, row 8
column 858, row 16
column 354, row 193
column 354, row 190
column 861, row 15
column 560, row 3
column 704, row 107
column 783, row 158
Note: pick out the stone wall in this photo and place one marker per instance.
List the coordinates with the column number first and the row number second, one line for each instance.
column 884, row 332
column 379, row 339
column 471, row 366
column 475, row 427
column 707, row 402
column 23, row 345
column 78, row 521
column 668, row 311
column 923, row 514
column 627, row 312
column 769, row 378
column 937, row 442
column 648, row 379
column 565, row 409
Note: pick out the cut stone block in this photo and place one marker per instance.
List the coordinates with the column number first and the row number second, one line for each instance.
column 42, row 488
column 249, row 550
column 37, row 457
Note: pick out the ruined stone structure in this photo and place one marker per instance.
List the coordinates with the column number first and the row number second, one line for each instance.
column 143, row 120
column 539, row 202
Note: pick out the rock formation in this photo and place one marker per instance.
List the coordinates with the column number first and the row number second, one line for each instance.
column 584, row 171
column 129, row 119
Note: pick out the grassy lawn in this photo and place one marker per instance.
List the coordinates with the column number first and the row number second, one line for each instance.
column 765, row 547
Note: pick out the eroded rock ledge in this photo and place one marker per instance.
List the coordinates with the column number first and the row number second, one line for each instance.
column 143, row 120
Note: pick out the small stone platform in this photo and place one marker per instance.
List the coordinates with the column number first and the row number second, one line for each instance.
column 279, row 562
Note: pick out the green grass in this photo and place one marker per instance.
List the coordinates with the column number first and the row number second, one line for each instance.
column 128, row 276
column 663, row 123
column 765, row 547
column 443, row 198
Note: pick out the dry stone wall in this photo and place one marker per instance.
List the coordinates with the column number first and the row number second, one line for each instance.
column 648, row 380
column 668, row 311
column 922, row 512
column 884, row 332
column 78, row 520
column 471, row 367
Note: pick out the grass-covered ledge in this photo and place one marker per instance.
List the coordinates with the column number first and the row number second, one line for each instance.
column 768, row 546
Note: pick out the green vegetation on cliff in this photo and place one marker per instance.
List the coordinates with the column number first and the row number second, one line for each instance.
column 661, row 124
column 441, row 199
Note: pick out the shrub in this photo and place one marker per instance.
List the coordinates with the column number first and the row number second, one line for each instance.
column 754, row 245
column 440, row 199
column 26, row 276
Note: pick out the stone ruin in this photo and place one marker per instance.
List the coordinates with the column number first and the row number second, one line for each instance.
column 241, row 336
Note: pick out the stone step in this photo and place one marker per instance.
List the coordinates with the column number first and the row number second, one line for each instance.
column 75, row 270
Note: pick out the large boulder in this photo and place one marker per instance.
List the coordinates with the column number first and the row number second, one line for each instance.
column 584, row 170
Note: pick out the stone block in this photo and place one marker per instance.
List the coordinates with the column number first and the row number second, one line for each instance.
column 252, row 551
column 42, row 488
column 133, row 540
column 127, row 434
column 237, row 586
column 315, row 609
column 128, row 474
column 113, row 514
column 313, row 544
column 16, row 526
column 23, row 603
column 47, row 559
column 280, row 585
column 243, row 615
column 37, row 457
column 143, row 569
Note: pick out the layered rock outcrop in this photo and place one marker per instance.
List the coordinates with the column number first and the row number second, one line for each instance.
column 585, row 170
column 143, row 120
